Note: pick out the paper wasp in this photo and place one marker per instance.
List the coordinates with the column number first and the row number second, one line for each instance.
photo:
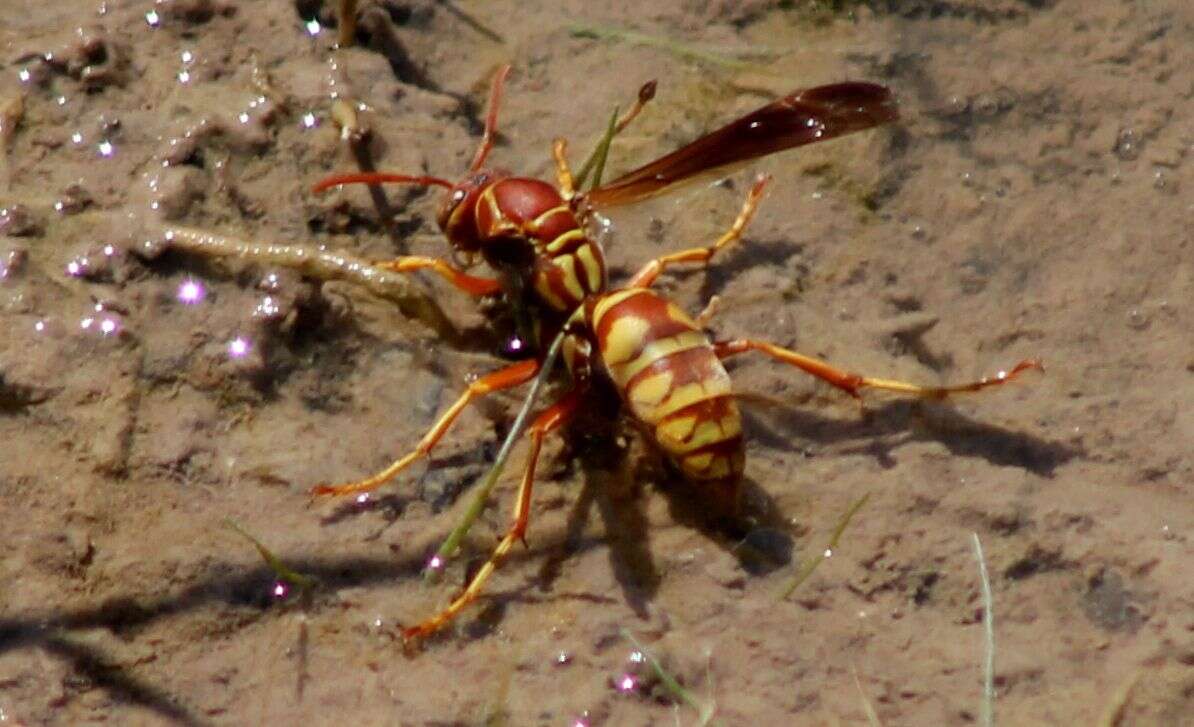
column 666, row 370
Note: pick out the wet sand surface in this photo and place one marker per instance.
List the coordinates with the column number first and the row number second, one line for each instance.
column 1034, row 201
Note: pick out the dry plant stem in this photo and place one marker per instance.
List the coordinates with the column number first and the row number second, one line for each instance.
column 705, row 710
column 356, row 135
column 448, row 548
column 321, row 264
column 988, row 706
column 346, row 16
column 812, row 563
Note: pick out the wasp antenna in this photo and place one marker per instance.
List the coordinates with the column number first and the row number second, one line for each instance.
column 495, row 100
column 377, row 178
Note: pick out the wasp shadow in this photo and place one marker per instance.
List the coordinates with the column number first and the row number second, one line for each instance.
column 884, row 428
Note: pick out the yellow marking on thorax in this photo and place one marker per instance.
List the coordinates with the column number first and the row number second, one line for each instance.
column 504, row 223
column 654, row 351
column 567, row 265
column 592, row 266
column 543, row 288
column 538, row 221
column 564, row 239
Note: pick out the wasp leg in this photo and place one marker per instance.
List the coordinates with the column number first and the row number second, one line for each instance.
column 495, row 100
column 548, row 421
column 559, row 151
column 460, row 280
column 702, row 255
column 853, row 383
column 706, row 315
column 506, row 378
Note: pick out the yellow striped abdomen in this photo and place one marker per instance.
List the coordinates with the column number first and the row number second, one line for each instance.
column 673, row 384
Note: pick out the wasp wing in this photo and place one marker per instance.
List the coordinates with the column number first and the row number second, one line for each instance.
column 803, row 117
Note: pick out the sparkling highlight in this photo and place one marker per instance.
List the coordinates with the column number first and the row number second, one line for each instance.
column 191, row 292
column 238, row 347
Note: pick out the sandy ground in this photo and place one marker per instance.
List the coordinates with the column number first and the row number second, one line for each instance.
column 1034, row 201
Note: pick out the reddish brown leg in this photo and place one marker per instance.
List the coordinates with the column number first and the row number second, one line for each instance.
column 702, row 255
column 459, row 279
column 506, row 378
column 495, row 100
column 550, row 420
column 852, row 383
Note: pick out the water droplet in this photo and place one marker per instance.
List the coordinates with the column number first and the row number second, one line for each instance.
column 105, row 148
column 280, row 590
column 267, row 308
column 24, row 75
column 627, row 683
column 1137, row 319
column 77, row 267
column 313, row 27
column 1127, row 146
column 152, row 19
column 310, row 121
column 191, row 292
column 238, row 347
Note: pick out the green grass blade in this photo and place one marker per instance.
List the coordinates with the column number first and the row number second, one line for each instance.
column 448, row 548
column 811, row 564
column 281, row 571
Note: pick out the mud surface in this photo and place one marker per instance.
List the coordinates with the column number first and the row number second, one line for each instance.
column 1034, row 202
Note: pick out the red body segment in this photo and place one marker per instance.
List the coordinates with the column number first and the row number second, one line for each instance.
column 567, row 266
